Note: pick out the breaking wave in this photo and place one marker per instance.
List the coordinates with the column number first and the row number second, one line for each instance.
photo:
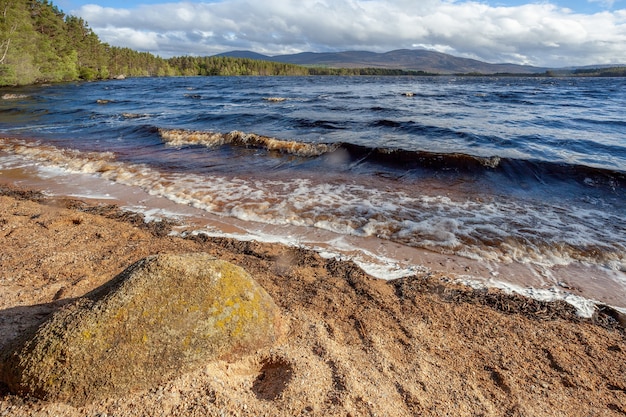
column 494, row 230
column 517, row 169
column 180, row 137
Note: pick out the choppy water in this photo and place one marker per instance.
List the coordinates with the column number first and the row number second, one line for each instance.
column 497, row 170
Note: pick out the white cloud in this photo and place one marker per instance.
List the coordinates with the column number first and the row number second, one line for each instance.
column 604, row 3
column 130, row 38
column 537, row 33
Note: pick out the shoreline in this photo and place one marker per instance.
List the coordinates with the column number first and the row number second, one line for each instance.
column 584, row 286
column 356, row 344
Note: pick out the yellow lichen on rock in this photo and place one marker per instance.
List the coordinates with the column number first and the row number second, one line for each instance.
column 162, row 316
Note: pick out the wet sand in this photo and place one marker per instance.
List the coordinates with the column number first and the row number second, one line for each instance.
column 355, row 345
column 578, row 283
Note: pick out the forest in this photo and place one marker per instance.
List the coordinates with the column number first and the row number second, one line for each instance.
column 40, row 44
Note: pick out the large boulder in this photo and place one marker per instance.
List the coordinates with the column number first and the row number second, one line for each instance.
column 162, row 316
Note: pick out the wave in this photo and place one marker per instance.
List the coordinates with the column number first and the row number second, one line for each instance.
column 13, row 96
column 134, row 115
column 319, row 124
column 409, row 159
column 179, row 137
column 492, row 230
column 182, row 137
column 524, row 170
column 275, row 99
column 403, row 159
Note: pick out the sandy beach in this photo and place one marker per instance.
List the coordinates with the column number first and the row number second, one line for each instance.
column 355, row 345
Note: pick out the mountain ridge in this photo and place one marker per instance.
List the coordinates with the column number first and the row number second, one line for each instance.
column 402, row 59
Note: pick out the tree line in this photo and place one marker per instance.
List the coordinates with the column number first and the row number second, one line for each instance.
column 226, row 66
column 39, row 43
column 601, row 72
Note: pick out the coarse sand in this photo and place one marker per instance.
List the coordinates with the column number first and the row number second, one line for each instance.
column 355, row 345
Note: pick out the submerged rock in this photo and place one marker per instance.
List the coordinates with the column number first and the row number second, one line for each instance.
column 162, row 316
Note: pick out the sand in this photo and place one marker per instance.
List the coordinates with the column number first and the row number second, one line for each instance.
column 354, row 345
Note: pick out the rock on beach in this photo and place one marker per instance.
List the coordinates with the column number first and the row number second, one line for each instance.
column 162, row 316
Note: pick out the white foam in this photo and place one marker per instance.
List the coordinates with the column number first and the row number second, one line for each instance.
column 245, row 236
column 500, row 230
column 155, row 214
column 584, row 306
column 91, row 195
column 435, row 222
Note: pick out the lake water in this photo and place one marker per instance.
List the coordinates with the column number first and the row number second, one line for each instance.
column 518, row 183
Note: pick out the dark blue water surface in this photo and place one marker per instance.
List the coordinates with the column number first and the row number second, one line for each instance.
column 448, row 163
column 574, row 122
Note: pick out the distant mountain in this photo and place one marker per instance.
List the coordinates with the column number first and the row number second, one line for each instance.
column 405, row 59
column 246, row 54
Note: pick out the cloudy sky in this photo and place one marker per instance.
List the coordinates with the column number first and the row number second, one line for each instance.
column 551, row 33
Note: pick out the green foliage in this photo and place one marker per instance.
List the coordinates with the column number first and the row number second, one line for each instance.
column 38, row 43
column 230, row 66
column 7, row 75
column 601, row 72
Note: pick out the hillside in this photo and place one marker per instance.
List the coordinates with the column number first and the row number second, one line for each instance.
column 404, row 59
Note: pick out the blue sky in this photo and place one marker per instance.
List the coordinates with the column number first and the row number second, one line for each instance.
column 581, row 6
column 550, row 33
